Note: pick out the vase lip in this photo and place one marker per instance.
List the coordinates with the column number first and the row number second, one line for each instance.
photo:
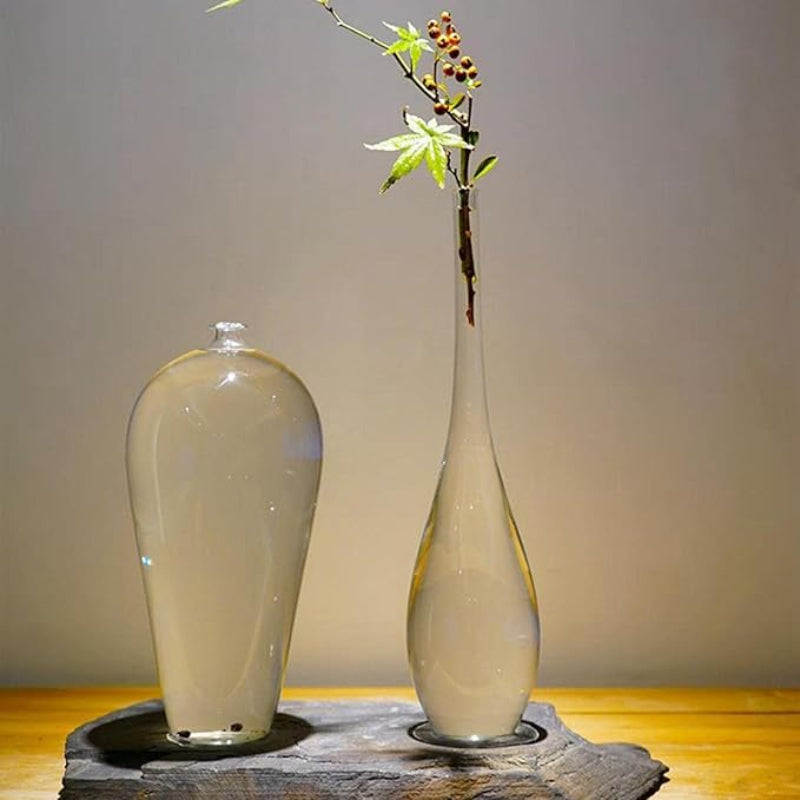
column 227, row 335
column 227, row 327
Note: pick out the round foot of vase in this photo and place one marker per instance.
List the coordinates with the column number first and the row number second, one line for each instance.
column 524, row 733
column 214, row 740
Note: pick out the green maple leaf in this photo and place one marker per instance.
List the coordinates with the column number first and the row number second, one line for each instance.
column 408, row 39
column 427, row 141
column 223, row 4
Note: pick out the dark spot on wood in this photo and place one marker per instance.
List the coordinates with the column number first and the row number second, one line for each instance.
column 184, row 734
column 236, row 727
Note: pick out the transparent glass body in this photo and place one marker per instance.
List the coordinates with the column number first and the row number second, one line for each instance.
column 473, row 623
column 224, row 452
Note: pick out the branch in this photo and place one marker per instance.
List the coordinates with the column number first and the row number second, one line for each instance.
column 407, row 71
column 342, row 24
column 466, row 252
column 451, row 169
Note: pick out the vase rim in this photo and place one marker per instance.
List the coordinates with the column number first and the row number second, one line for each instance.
column 227, row 327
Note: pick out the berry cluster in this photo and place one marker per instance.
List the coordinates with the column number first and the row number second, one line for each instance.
column 448, row 41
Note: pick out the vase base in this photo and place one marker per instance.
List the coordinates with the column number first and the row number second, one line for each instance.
column 214, row 740
column 524, row 733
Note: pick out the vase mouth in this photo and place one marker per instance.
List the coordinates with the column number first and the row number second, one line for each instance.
column 227, row 327
column 470, row 191
column 227, row 335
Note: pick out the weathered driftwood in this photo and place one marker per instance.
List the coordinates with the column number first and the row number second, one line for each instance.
column 353, row 750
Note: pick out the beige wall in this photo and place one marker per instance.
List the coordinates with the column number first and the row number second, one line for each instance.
column 162, row 169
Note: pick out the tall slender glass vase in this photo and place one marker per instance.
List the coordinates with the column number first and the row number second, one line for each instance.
column 473, row 623
column 224, row 454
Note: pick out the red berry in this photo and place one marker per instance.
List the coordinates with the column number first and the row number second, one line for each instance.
column 455, row 37
column 448, row 69
column 442, row 42
column 446, row 16
column 440, row 108
column 472, row 72
column 461, row 75
column 454, row 52
column 433, row 23
column 466, row 62
column 434, row 33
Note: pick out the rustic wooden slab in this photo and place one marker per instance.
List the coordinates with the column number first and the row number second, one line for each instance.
column 362, row 749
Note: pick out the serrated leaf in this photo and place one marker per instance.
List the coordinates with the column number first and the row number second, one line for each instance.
column 435, row 129
column 428, row 140
column 453, row 140
column 224, row 4
column 436, row 160
column 408, row 39
column 400, row 142
column 486, row 166
column 415, row 123
column 400, row 46
column 416, row 50
column 406, row 162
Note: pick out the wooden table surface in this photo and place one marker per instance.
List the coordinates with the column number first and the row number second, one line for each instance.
column 718, row 743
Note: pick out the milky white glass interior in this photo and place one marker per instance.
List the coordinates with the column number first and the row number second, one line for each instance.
column 224, row 453
column 473, row 624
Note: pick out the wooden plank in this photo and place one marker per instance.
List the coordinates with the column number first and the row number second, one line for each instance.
column 602, row 701
column 672, row 700
column 733, row 772
column 774, row 730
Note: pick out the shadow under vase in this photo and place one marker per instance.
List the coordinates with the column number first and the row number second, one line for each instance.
column 337, row 749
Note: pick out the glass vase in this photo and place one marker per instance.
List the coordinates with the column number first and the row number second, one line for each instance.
column 224, row 452
column 473, row 623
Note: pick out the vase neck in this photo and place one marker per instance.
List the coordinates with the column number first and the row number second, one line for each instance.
column 469, row 416
column 228, row 337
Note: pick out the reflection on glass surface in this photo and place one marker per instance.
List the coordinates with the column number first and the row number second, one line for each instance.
column 224, row 455
column 473, row 622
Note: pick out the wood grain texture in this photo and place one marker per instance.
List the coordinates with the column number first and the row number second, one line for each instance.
column 719, row 743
